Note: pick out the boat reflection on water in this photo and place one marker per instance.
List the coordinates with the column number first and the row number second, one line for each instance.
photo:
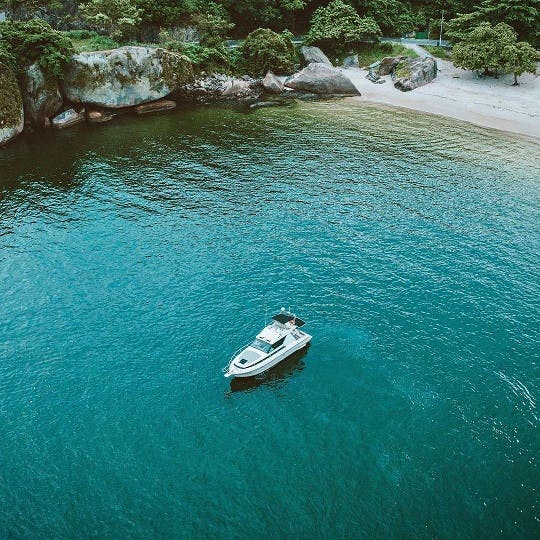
column 273, row 377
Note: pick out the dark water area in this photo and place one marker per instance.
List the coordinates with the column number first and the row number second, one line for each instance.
column 136, row 257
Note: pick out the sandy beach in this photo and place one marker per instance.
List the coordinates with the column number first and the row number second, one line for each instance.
column 463, row 95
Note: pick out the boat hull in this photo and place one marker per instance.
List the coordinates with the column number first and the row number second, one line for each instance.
column 269, row 362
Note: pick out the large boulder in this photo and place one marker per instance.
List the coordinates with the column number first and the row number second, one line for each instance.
column 221, row 88
column 314, row 55
column 11, row 106
column 125, row 77
column 322, row 79
column 41, row 97
column 414, row 72
column 389, row 63
column 272, row 83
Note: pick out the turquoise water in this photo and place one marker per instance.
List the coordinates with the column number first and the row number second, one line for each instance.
column 135, row 258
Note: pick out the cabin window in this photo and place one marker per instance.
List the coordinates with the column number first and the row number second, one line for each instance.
column 261, row 345
column 278, row 343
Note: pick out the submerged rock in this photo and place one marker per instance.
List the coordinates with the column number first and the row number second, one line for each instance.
column 322, row 79
column 125, row 77
column 41, row 97
column 411, row 73
column 314, row 55
column 95, row 116
column 155, row 107
column 272, row 83
column 11, row 106
column 68, row 118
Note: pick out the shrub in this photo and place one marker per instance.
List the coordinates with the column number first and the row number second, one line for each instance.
column 385, row 47
column 338, row 29
column 208, row 59
column 79, row 35
column 35, row 41
column 438, row 52
column 265, row 50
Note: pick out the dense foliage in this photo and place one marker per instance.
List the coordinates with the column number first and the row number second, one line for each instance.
column 32, row 41
column 117, row 18
column 522, row 15
column 338, row 28
column 265, row 50
column 200, row 28
column 493, row 49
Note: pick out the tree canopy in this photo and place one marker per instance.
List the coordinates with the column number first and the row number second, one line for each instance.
column 265, row 50
column 493, row 49
column 338, row 28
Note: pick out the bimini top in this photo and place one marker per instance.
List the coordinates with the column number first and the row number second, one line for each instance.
column 284, row 318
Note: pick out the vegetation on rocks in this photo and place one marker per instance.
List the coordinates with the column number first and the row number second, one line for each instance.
column 26, row 42
column 10, row 98
column 369, row 55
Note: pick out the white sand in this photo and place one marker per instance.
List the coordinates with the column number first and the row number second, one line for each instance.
column 462, row 95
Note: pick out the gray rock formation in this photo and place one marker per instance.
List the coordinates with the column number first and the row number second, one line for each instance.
column 11, row 106
column 221, row 88
column 351, row 61
column 272, row 84
column 411, row 73
column 41, row 97
column 313, row 55
column 389, row 63
column 322, row 79
column 125, row 77
column 95, row 116
column 155, row 107
column 68, row 118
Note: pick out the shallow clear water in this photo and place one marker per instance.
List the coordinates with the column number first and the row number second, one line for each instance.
column 135, row 258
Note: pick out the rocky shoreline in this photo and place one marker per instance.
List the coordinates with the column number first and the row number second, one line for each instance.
column 97, row 86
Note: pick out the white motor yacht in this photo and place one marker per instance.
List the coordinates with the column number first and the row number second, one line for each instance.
column 277, row 341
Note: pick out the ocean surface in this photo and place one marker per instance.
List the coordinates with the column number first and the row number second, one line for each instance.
column 136, row 257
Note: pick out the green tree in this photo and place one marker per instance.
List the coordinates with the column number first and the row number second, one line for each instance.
column 264, row 50
column 519, row 58
column 393, row 16
column 167, row 12
column 26, row 42
column 250, row 14
column 338, row 28
column 214, row 27
column 522, row 15
column 117, row 18
column 483, row 48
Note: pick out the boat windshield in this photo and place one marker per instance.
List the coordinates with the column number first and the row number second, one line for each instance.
column 261, row 345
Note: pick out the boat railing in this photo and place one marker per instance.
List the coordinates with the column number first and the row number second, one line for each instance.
column 234, row 355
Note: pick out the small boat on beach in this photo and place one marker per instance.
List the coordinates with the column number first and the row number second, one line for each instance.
column 277, row 341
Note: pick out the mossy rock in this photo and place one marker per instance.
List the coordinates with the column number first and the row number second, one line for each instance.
column 125, row 77
column 11, row 105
